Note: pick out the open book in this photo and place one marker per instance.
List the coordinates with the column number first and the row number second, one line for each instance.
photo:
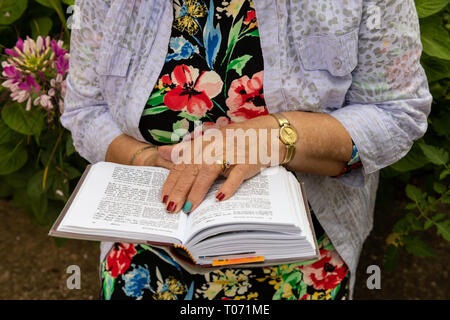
column 267, row 220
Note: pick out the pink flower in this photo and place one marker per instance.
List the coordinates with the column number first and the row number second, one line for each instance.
column 193, row 91
column 246, row 99
column 326, row 273
column 34, row 72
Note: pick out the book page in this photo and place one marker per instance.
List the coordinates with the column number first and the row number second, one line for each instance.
column 262, row 199
column 124, row 198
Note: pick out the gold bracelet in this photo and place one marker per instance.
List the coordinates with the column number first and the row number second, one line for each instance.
column 138, row 152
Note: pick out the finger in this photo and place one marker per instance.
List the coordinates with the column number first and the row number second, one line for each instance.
column 177, row 153
column 179, row 192
column 205, row 178
column 163, row 163
column 235, row 178
column 170, row 182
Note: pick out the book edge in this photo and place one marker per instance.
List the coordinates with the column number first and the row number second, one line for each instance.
column 54, row 229
column 308, row 214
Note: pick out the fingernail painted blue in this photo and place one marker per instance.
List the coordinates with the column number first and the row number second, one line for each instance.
column 187, row 207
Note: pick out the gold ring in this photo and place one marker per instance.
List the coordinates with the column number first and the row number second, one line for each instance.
column 225, row 165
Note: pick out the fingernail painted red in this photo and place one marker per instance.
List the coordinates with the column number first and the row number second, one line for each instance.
column 220, row 196
column 171, row 206
column 165, row 199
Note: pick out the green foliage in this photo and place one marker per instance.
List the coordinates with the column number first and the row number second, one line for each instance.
column 21, row 18
column 38, row 164
column 427, row 164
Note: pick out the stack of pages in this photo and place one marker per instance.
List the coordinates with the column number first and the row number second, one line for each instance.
column 267, row 220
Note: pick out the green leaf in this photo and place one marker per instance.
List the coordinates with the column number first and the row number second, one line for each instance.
column 391, row 257
column 239, row 63
column 439, row 187
column 72, row 172
column 444, row 173
column 438, row 216
column 233, row 37
column 164, row 136
column 411, row 205
column 436, row 155
column 181, row 127
column 56, row 5
column 155, row 110
column 11, row 10
column 7, row 135
column 413, row 193
column 40, row 26
column 417, row 247
column 70, row 148
column 12, row 158
column 34, row 186
column 440, row 124
column 415, row 159
column 157, row 98
column 443, row 229
column 188, row 116
column 436, row 69
column 25, row 122
column 435, row 39
column 426, row 8
column 445, row 198
column 427, row 224
column 254, row 33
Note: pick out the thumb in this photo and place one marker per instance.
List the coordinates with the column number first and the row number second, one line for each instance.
column 165, row 152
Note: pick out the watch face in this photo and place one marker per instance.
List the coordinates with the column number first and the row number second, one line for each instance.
column 288, row 135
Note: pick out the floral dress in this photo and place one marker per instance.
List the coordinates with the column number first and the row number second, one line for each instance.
column 213, row 76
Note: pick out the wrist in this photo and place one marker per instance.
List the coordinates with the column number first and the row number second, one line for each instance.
column 145, row 156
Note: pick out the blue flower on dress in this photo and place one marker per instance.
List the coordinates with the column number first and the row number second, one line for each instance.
column 136, row 281
column 182, row 49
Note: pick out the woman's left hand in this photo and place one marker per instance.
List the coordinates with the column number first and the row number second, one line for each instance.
column 202, row 157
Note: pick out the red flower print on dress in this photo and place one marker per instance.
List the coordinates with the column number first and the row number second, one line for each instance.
column 250, row 20
column 246, row 99
column 193, row 91
column 119, row 258
column 326, row 273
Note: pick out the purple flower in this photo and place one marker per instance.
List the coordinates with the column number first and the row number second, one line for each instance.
column 29, row 83
column 57, row 49
column 11, row 52
column 12, row 73
column 19, row 44
column 62, row 64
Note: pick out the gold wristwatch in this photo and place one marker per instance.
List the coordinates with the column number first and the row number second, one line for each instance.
column 288, row 135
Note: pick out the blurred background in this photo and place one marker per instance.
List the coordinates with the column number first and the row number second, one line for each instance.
column 39, row 168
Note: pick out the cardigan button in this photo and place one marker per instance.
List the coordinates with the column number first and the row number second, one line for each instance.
column 337, row 63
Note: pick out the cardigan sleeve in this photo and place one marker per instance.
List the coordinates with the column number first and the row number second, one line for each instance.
column 86, row 114
column 388, row 102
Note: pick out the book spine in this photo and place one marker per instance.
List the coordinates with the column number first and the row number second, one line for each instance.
column 186, row 250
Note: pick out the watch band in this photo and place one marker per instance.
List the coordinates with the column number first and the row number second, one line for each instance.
column 282, row 121
column 290, row 148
